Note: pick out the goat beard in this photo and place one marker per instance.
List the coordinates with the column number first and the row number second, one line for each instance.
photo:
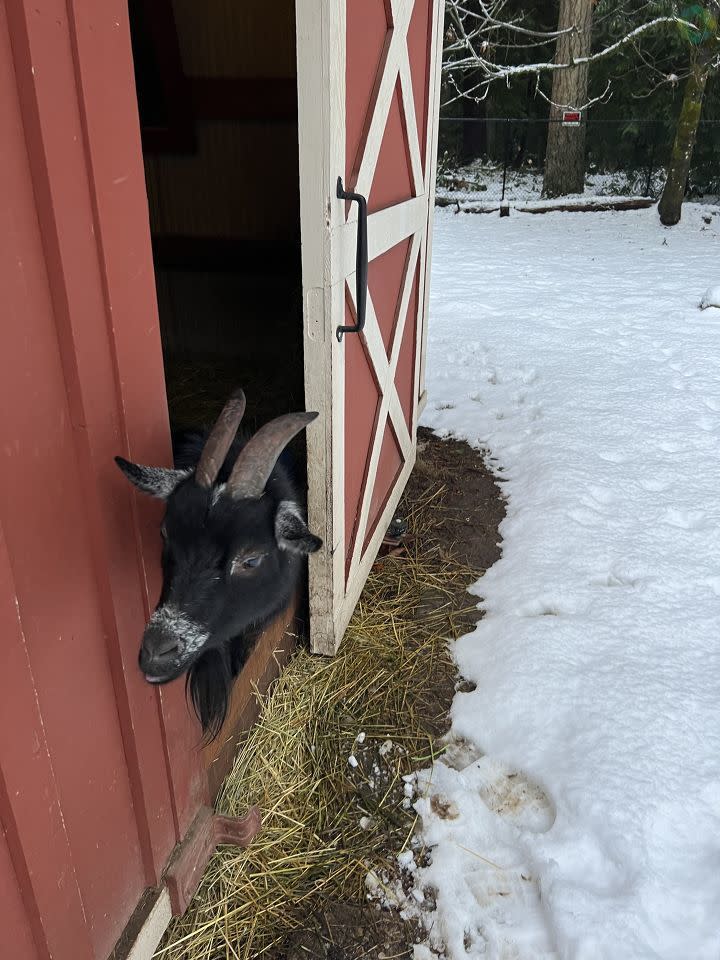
column 209, row 682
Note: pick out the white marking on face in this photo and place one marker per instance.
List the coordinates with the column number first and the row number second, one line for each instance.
column 190, row 634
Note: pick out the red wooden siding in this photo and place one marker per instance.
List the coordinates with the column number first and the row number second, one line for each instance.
column 368, row 39
column 392, row 182
column 99, row 778
column 362, row 398
column 419, row 47
column 405, row 373
column 385, row 282
column 16, row 927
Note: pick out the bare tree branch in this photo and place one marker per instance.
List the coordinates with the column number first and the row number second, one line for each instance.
column 477, row 29
column 501, row 71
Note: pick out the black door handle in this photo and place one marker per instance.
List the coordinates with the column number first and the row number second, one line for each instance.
column 361, row 261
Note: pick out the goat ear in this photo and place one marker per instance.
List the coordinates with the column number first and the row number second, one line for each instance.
column 157, row 481
column 291, row 532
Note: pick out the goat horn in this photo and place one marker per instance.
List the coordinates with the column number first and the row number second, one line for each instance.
column 260, row 454
column 220, row 440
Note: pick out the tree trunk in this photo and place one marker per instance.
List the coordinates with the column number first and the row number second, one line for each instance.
column 670, row 206
column 474, row 134
column 565, row 154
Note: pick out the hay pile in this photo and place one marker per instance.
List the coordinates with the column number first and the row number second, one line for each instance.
column 326, row 822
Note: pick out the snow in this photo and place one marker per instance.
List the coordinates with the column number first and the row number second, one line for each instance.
column 576, row 813
column 711, row 297
column 480, row 183
column 482, row 180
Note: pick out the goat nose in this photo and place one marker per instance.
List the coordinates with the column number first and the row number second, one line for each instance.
column 164, row 646
column 158, row 645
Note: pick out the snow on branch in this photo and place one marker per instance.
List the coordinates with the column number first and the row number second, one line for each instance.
column 472, row 32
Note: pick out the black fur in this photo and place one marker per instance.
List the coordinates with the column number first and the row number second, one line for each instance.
column 211, row 580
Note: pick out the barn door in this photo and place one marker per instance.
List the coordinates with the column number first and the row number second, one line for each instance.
column 368, row 78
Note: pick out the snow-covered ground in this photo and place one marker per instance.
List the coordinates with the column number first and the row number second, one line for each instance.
column 482, row 181
column 577, row 811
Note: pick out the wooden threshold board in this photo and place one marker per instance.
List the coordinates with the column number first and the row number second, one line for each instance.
column 267, row 659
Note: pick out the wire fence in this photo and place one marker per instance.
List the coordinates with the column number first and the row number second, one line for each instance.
column 488, row 160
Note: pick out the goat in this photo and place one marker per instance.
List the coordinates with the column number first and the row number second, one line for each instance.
column 234, row 542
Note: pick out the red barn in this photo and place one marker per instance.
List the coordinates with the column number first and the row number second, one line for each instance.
column 171, row 224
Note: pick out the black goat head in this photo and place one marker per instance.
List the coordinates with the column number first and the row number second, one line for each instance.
column 232, row 548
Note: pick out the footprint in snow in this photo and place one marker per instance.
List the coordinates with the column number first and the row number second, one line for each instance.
column 459, row 753
column 584, row 517
column 544, row 608
column 707, row 423
column 682, row 370
column 506, row 792
column 655, row 484
column 600, row 495
column 515, row 798
column 612, row 456
column 671, row 446
column 714, row 584
column 615, row 580
column 509, row 902
column 684, row 519
column 499, row 879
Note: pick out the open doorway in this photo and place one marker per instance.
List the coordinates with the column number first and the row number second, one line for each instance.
column 218, row 110
column 217, row 98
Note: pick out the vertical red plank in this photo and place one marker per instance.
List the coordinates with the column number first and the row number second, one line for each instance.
column 16, row 926
column 419, row 41
column 393, row 180
column 81, row 380
column 405, row 372
column 362, row 403
column 38, row 848
column 385, row 279
column 390, row 463
column 44, row 514
column 109, row 107
column 368, row 24
column 46, row 89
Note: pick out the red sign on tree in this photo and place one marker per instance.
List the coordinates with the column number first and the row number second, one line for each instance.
column 571, row 118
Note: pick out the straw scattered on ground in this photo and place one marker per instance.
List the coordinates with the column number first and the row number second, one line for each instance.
column 326, row 760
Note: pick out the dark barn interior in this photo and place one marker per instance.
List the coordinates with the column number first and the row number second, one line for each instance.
column 217, row 98
column 218, row 109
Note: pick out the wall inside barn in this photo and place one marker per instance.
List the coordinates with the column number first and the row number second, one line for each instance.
column 225, row 213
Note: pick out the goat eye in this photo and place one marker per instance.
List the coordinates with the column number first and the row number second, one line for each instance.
column 163, row 532
column 243, row 564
